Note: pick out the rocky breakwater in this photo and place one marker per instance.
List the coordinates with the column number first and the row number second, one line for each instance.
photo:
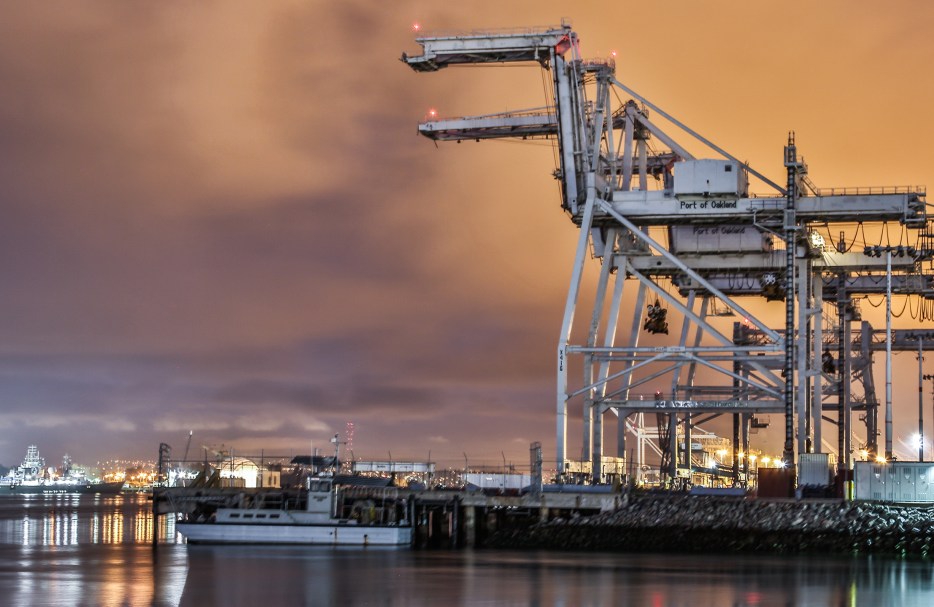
column 717, row 524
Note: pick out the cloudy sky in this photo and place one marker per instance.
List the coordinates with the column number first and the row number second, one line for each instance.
column 218, row 217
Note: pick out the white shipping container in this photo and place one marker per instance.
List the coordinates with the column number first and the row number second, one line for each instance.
column 815, row 469
column 492, row 480
column 709, row 177
column 728, row 238
column 908, row 482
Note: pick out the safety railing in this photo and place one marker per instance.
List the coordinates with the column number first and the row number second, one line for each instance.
column 504, row 31
column 872, row 190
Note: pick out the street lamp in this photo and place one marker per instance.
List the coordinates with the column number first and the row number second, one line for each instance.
column 920, row 399
column 754, row 469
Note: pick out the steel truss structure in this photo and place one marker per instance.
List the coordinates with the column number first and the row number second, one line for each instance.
column 693, row 245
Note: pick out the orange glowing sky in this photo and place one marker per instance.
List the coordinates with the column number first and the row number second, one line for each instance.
column 218, row 216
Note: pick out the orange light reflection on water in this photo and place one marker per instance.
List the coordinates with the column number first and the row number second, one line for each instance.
column 68, row 521
column 113, row 528
column 52, row 556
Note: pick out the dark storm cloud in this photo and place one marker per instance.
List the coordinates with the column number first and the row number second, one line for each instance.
column 327, row 234
column 263, row 391
column 372, row 396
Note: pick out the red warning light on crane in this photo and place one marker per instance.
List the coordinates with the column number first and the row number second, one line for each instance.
column 432, row 113
column 416, row 27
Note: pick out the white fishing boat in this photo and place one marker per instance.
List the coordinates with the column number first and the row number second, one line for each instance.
column 318, row 523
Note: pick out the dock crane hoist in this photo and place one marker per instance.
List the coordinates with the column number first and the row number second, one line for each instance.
column 695, row 242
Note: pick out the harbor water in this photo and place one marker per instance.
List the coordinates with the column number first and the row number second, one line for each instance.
column 97, row 550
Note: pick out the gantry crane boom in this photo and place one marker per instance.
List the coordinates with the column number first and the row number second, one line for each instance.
column 524, row 125
column 504, row 46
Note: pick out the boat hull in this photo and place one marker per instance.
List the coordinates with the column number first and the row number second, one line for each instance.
column 322, row 534
column 42, row 489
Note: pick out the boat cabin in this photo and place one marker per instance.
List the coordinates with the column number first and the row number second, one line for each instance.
column 321, row 498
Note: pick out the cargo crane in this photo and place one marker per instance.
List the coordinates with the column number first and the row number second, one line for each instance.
column 699, row 230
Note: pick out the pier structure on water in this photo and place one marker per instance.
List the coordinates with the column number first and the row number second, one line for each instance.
column 448, row 518
column 370, row 492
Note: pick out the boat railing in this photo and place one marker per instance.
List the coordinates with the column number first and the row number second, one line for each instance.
column 373, row 505
column 380, row 492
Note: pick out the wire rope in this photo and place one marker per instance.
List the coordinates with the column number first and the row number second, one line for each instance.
column 912, row 312
column 894, row 315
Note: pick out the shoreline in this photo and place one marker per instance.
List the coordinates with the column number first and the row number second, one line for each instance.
column 736, row 525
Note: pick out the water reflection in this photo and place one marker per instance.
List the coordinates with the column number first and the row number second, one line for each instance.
column 68, row 520
column 59, row 526
column 106, row 575
column 232, row 575
column 67, row 550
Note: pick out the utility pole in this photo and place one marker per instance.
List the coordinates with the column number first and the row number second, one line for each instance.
column 888, row 355
column 920, row 399
column 931, row 377
column 792, row 164
column 337, row 452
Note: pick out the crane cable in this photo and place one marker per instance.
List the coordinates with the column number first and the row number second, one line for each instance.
column 894, row 315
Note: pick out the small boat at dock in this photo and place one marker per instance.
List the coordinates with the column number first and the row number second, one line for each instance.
column 318, row 523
